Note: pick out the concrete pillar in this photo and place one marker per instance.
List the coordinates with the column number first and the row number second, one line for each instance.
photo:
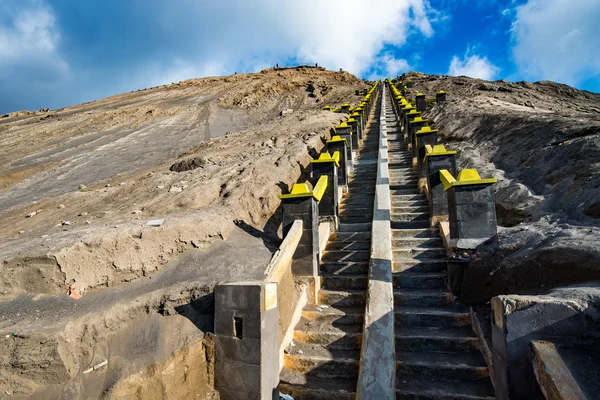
column 421, row 103
column 326, row 165
column 357, row 92
column 346, row 108
column 345, row 132
column 471, row 208
column 404, row 111
column 339, row 144
column 247, row 341
column 361, row 112
column 409, row 84
column 414, row 126
column 435, row 161
column 408, row 118
column 356, row 117
column 440, row 97
column 301, row 204
column 355, row 133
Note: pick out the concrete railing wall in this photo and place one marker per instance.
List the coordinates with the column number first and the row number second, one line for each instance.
column 254, row 321
column 461, row 203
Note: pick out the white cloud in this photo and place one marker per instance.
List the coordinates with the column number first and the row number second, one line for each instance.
column 386, row 65
column 170, row 41
column 29, row 41
column 557, row 40
column 474, row 66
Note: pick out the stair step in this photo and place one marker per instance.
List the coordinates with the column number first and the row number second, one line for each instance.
column 321, row 361
column 409, row 209
column 407, row 197
column 419, row 265
column 343, row 268
column 356, row 218
column 334, row 316
column 454, row 314
column 413, row 233
column 332, row 339
column 300, row 386
column 351, row 237
column 426, row 388
column 344, row 282
column 409, row 217
column 347, row 298
column 420, row 280
column 426, row 242
column 357, row 227
column 348, row 245
column 419, row 252
column 430, row 339
column 345, row 255
column 417, row 224
column 459, row 366
column 422, row 297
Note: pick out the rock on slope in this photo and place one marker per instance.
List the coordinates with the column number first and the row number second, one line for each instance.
column 207, row 155
column 542, row 142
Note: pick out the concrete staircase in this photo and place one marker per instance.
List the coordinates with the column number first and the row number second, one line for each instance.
column 324, row 361
column 437, row 352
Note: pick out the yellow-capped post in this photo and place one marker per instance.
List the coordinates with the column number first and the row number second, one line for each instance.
column 437, row 158
column 471, row 208
column 326, row 166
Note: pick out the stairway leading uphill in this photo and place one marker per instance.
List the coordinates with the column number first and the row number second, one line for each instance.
column 437, row 352
column 324, row 361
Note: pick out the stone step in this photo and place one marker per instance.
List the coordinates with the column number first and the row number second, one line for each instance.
column 356, row 218
column 321, row 361
column 343, row 268
column 404, row 186
column 454, row 314
column 336, row 338
column 362, row 227
column 418, row 224
column 452, row 366
column 350, row 236
column 436, row 339
column 419, row 265
column 301, row 386
column 401, row 192
column 420, row 280
column 426, row 388
column 344, row 282
column 408, row 197
column 357, row 209
column 348, row 245
column 415, row 242
column 395, row 202
column 345, row 255
column 419, row 252
column 422, row 297
column 414, row 233
column 403, row 209
column 334, row 316
column 406, row 217
column 347, row 298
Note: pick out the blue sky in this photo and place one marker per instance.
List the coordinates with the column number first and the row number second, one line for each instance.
column 55, row 53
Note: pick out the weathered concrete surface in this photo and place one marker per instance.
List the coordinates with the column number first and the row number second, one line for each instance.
column 552, row 374
column 377, row 376
column 566, row 315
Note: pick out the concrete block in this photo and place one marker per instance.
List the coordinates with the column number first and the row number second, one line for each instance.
column 328, row 206
column 566, row 315
column 306, row 258
column 247, row 340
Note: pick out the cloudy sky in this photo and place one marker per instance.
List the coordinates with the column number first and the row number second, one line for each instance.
column 55, row 53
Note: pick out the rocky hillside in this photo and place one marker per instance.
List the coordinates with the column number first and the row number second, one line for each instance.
column 542, row 142
column 120, row 216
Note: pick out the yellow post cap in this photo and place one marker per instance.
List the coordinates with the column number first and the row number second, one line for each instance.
column 342, row 125
column 446, row 178
column 441, row 92
column 465, row 177
column 420, row 94
column 326, row 108
column 425, row 129
column 337, row 138
column 438, row 150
